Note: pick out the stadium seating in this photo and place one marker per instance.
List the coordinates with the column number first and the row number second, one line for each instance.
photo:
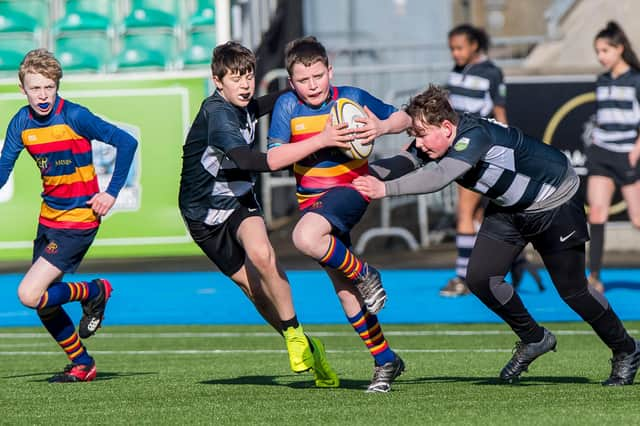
column 12, row 50
column 83, row 52
column 204, row 15
column 153, row 13
column 82, row 15
column 199, row 47
column 109, row 35
column 146, row 50
column 23, row 15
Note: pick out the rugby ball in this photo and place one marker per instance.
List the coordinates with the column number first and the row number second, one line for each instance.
column 346, row 111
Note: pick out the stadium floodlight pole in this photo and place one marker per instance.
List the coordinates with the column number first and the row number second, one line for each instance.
column 223, row 21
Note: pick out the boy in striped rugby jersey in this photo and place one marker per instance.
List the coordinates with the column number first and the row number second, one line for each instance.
column 331, row 207
column 533, row 193
column 58, row 134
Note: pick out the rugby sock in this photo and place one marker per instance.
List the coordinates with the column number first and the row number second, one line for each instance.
column 370, row 331
column 293, row 322
column 59, row 325
column 595, row 248
column 464, row 244
column 60, row 293
column 339, row 257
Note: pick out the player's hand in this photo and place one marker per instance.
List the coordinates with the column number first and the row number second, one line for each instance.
column 370, row 186
column 634, row 155
column 101, row 203
column 371, row 129
column 338, row 135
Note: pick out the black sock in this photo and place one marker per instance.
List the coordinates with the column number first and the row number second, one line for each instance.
column 610, row 329
column 595, row 248
column 293, row 322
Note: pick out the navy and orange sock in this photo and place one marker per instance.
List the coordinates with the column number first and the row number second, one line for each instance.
column 60, row 293
column 370, row 331
column 339, row 257
column 59, row 325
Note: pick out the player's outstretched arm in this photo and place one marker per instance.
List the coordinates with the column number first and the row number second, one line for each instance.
column 373, row 127
column 282, row 155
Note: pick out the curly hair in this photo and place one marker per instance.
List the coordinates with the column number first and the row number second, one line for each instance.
column 40, row 61
column 431, row 107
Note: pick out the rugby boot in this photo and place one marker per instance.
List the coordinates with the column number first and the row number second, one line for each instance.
column 75, row 373
column 524, row 354
column 384, row 375
column 93, row 310
column 369, row 284
column 624, row 368
column 300, row 355
column 323, row 374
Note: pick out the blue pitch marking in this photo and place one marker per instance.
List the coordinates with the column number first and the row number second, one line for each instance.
column 211, row 298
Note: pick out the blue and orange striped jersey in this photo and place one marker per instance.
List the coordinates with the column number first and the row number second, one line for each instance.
column 293, row 121
column 60, row 144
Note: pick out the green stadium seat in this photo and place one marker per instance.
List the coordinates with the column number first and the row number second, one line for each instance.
column 12, row 51
column 147, row 50
column 96, row 15
column 23, row 15
column 153, row 13
column 86, row 52
column 204, row 15
column 200, row 44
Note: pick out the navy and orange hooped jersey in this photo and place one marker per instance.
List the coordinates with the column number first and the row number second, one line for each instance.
column 293, row 121
column 60, row 144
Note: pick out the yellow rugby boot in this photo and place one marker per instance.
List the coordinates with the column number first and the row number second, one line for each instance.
column 323, row 374
column 300, row 357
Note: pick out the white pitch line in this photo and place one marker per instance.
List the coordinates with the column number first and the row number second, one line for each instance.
column 243, row 351
column 178, row 335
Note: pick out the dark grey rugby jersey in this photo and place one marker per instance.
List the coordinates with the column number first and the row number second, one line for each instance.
column 476, row 88
column 513, row 170
column 618, row 111
column 211, row 182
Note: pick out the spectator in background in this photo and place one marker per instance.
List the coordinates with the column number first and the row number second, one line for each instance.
column 612, row 158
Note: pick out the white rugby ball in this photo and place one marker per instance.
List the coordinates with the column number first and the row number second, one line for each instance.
column 345, row 110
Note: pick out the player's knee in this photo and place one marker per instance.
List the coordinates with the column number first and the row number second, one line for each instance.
column 262, row 257
column 598, row 214
column 302, row 241
column 28, row 297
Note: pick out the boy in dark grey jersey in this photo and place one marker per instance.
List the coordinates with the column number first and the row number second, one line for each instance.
column 218, row 203
column 532, row 191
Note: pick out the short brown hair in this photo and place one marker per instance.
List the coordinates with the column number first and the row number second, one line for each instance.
column 232, row 57
column 306, row 51
column 40, row 61
column 432, row 107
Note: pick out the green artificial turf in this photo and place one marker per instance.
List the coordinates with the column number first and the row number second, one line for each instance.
column 240, row 375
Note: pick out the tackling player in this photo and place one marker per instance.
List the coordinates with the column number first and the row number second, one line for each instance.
column 533, row 191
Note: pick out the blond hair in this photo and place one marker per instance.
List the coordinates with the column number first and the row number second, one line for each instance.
column 40, row 61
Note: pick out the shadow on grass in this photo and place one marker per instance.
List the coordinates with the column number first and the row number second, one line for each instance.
column 102, row 375
column 281, row 381
column 494, row 381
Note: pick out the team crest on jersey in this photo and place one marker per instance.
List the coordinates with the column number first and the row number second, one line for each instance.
column 41, row 162
column 51, row 248
column 462, row 144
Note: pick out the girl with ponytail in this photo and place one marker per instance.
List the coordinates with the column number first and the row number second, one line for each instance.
column 612, row 158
